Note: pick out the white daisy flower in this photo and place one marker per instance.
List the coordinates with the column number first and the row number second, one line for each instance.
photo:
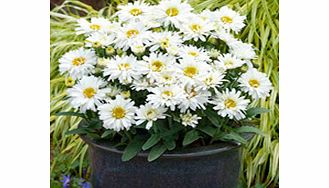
column 102, row 62
column 207, row 15
column 224, row 35
column 229, row 19
column 78, row 63
column 194, row 99
column 150, row 114
column 95, row 25
column 255, row 83
column 197, row 54
column 173, row 12
column 138, row 49
column 142, row 84
column 231, row 104
column 112, row 92
column 154, row 64
column 99, row 40
column 131, row 34
column 228, row 61
column 212, row 80
column 168, row 96
column 191, row 71
column 167, row 78
column 196, row 28
column 123, row 68
column 214, row 53
column 242, row 50
column 87, row 94
column 173, row 50
column 189, row 119
column 164, row 40
column 136, row 11
column 118, row 114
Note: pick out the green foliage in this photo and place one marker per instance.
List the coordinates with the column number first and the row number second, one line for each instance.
column 133, row 148
column 156, row 152
column 154, row 139
column 190, row 137
column 261, row 155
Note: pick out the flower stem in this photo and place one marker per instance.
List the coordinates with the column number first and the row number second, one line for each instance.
column 128, row 135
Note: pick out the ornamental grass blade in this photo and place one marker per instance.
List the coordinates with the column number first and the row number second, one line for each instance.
column 249, row 129
column 255, row 111
column 71, row 114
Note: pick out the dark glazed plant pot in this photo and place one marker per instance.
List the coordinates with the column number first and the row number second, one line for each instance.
column 214, row 166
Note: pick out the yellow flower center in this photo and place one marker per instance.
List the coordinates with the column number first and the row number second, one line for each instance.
column 132, row 33
column 95, row 27
column 118, row 112
column 167, row 77
column 226, row 19
column 125, row 94
column 97, row 44
column 229, row 103
column 228, row 63
column 193, row 53
column 78, row 61
column 135, row 11
column 190, row 71
column 69, row 81
column 89, row 92
column 195, row 27
column 208, row 80
column 156, row 66
column 165, row 43
column 167, row 94
column 172, row 11
column 110, row 50
column 192, row 93
column 124, row 66
column 151, row 113
column 254, row 83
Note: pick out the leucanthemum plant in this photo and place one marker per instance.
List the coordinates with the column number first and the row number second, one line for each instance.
column 162, row 77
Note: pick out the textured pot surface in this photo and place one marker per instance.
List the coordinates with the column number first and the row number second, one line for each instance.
column 215, row 166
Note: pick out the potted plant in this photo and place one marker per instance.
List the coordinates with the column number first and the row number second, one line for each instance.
column 166, row 95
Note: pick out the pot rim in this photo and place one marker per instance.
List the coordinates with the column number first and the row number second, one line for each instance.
column 180, row 153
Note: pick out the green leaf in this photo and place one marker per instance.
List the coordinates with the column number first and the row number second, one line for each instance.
column 133, row 148
column 156, row 152
column 77, row 131
column 175, row 117
column 255, row 111
column 172, row 131
column 190, row 137
column 94, row 124
column 213, row 117
column 106, row 133
column 209, row 130
column 154, row 139
column 93, row 135
column 170, row 144
column 249, row 129
column 235, row 137
column 71, row 114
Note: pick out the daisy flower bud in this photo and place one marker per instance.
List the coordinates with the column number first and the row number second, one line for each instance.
column 69, row 81
column 110, row 50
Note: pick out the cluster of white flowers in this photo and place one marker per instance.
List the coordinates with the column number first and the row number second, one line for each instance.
column 161, row 50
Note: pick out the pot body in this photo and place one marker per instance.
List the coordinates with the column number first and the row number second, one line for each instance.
column 204, row 168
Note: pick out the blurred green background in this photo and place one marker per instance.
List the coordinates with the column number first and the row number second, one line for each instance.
column 260, row 167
